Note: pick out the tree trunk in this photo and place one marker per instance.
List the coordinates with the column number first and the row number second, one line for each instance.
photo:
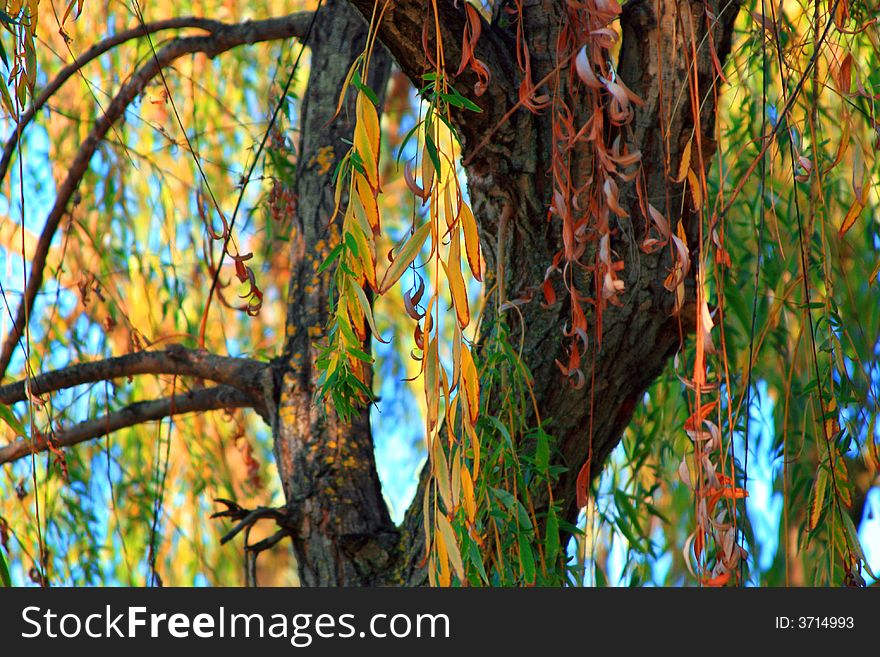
column 343, row 534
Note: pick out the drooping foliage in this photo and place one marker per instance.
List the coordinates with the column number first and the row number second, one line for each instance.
column 752, row 459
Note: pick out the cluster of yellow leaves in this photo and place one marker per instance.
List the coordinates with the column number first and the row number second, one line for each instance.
column 452, row 399
column 455, row 461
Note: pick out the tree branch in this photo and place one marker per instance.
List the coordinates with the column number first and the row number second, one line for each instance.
column 225, row 37
column 243, row 374
column 204, row 399
column 90, row 55
column 401, row 32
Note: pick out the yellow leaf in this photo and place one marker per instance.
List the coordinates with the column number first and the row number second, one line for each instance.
column 685, row 164
column 471, row 240
column 432, row 383
column 448, row 536
column 467, row 491
column 426, row 518
column 818, row 500
column 405, row 257
column 455, row 484
column 366, row 139
column 355, row 312
column 475, row 444
column 696, row 191
column 344, row 92
column 854, row 211
column 366, row 254
column 368, row 312
column 456, row 281
column 440, row 471
column 873, row 276
column 427, row 172
column 456, row 357
column 368, row 201
column 443, row 556
column 448, row 213
column 471, row 383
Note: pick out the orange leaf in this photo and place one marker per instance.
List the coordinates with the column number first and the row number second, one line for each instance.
column 873, row 276
column 719, row 580
column 368, row 201
column 582, row 485
column 456, row 281
column 471, row 240
column 696, row 419
column 685, row 164
column 850, row 219
column 467, row 489
column 443, row 555
column 696, row 191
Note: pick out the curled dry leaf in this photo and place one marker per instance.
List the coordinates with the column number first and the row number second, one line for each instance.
column 585, row 70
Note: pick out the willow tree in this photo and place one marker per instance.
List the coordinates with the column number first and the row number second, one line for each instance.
column 580, row 192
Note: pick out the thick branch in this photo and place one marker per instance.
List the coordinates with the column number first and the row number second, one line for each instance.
column 401, row 29
column 204, row 399
column 224, row 38
column 241, row 373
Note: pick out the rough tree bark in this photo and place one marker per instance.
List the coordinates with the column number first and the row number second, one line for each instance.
column 343, row 533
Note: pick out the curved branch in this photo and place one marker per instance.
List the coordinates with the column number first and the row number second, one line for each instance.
column 401, row 31
column 243, row 374
column 226, row 37
column 90, row 55
column 204, row 399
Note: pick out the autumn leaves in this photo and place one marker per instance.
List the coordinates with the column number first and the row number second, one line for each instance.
column 442, row 238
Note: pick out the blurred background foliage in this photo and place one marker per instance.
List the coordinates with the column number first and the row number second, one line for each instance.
column 130, row 269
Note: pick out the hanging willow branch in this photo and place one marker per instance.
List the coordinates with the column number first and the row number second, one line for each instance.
column 223, row 38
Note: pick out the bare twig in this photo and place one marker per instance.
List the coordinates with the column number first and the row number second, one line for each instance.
column 90, row 55
column 241, row 373
column 204, row 399
column 221, row 40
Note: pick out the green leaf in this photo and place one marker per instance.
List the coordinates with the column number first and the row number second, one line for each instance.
column 473, row 552
column 406, row 139
column 551, row 538
column 9, row 418
column 359, row 84
column 405, row 257
column 855, row 544
column 330, row 258
column 461, row 102
column 351, row 243
column 368, row 312
column 361, row 355
column 526, row 559
column 432, row 152
column 542, row 453
column 4, row 572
